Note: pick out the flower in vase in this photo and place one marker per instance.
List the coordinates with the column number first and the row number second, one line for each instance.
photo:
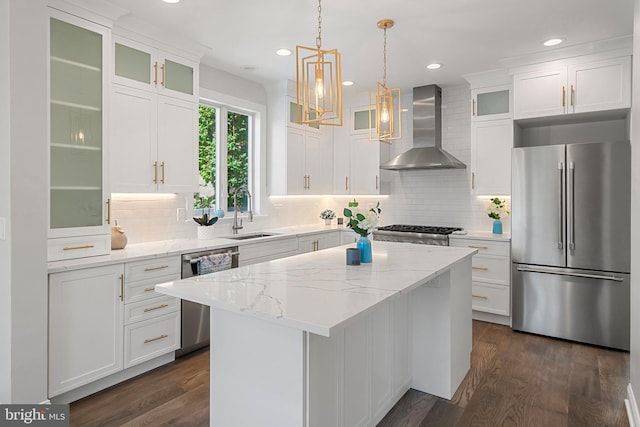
column 362, row 221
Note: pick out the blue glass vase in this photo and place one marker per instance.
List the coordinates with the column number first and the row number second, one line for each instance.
column 364, row 244
column 497, row 227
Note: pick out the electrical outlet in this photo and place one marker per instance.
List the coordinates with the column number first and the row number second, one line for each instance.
column 181, row 215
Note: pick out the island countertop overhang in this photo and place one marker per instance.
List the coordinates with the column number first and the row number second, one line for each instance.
column 317, row 292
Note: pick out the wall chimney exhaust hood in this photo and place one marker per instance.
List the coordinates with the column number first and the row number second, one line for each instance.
column 427, row 152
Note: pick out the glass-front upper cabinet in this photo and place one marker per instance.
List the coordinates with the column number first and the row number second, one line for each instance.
column 492, row 103
column 148, row 68
column 78, row 204
column 294, row 112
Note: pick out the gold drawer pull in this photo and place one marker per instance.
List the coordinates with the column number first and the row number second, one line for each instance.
column 480, row 268
column 77, row 247
column 156, row 308
column 479, row 296
column 161, row 337
column 156, row 268
column 478, row 247
column 149, row 289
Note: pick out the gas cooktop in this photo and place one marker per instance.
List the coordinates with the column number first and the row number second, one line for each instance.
column 425, row 234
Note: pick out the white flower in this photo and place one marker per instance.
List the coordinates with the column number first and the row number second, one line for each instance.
column 205, row 189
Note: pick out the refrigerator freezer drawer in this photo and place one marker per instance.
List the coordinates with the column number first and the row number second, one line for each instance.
column 578, row 305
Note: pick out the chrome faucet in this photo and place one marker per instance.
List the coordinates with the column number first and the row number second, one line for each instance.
column 235, row 227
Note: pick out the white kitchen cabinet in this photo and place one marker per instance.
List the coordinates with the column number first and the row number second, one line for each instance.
column 491, row 103
column 78, row 196
column 154, row 142
column 356, row 166
column 491, row 276
column 142, row 66
column 257, row 252
column 85, row 326
column 491, row 144
column 317, row 242
column 308, row 157
column 576, row 86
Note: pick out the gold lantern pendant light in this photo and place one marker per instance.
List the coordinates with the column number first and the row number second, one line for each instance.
column 319, row 82
column 384, row 103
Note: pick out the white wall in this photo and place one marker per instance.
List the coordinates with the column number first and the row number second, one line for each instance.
column 223, row 82
column 28, row 185
column 635, row 206
column 5, row 209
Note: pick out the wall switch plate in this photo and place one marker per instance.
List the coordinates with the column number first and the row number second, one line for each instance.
column 3, row 225
column 181, row 215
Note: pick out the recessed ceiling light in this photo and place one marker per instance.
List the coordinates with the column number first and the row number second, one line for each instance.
column 283, row 52
column 171, row 1
column 434, row 66
column 347, row 83
column 553, row 42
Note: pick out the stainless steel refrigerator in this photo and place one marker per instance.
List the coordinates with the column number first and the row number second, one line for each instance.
column 570, row 237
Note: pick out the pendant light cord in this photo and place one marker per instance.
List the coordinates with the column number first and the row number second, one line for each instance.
column 319, row 38
column 384, row 74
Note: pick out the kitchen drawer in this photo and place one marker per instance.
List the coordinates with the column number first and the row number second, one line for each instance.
column 78, row 247
column 144, row 289
column 490, row 298
column 149, row 309
column 484, row 247
column 151, row 338
column 488, row 268
column 150, row 268
column 269, row 250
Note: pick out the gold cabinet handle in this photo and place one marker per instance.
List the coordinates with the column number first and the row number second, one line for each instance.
column 156, row 308
column 473, row 107
column 162, row 81
column 480, row 268
column 308, row 182
column 473, row 180
column 161, row 337
column 121, row 287
column 563, row 95
column 108, row 211
column 73, row 248
column 155, row 172
column 160, row 267
column 155, row 73
column 478, row 247
column 479, row 296
column 376, row 182
column 162, row 175
column 346, row 183
column 149, row 289
column 571, row 95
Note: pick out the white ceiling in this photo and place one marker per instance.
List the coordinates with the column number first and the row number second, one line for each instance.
column 467, row 36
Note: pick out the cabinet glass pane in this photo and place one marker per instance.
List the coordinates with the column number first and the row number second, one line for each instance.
column 76, row 126
column 133, row 64
column 295, row 111
column 178, row 77
column 361, row 119
column 493, row 103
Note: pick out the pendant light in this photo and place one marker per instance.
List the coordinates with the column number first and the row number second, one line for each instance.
column 385, row 122
column 319, row 82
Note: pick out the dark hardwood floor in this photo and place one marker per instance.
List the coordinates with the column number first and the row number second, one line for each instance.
column 516, row 379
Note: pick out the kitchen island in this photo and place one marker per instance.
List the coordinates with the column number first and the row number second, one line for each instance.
column 309, row 341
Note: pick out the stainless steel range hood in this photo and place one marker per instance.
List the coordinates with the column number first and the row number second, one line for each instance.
column 427, row 152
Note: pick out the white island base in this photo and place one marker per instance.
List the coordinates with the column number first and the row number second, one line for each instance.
column 309, row 342
column 266, row 374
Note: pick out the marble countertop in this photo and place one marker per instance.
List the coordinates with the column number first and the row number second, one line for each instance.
column 317, row 292
column 162, row 248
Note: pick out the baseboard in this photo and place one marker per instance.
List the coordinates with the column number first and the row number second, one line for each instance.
column 632, row 408
column 491, row 318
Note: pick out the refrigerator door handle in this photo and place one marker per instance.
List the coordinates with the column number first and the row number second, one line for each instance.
column 560, row 273
column 560, row 205
column 571, row 203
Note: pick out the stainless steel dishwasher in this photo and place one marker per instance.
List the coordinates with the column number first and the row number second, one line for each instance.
column 195, row 317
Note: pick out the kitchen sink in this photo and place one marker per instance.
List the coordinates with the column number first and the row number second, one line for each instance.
column 250, row 236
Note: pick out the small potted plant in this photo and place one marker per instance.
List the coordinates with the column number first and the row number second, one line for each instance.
column 327, row 215
column 496, row 210
column 362, row 221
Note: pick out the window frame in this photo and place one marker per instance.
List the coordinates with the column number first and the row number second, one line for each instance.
column 256, row 133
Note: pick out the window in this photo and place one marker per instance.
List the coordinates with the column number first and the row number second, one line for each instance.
column 219, row 145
